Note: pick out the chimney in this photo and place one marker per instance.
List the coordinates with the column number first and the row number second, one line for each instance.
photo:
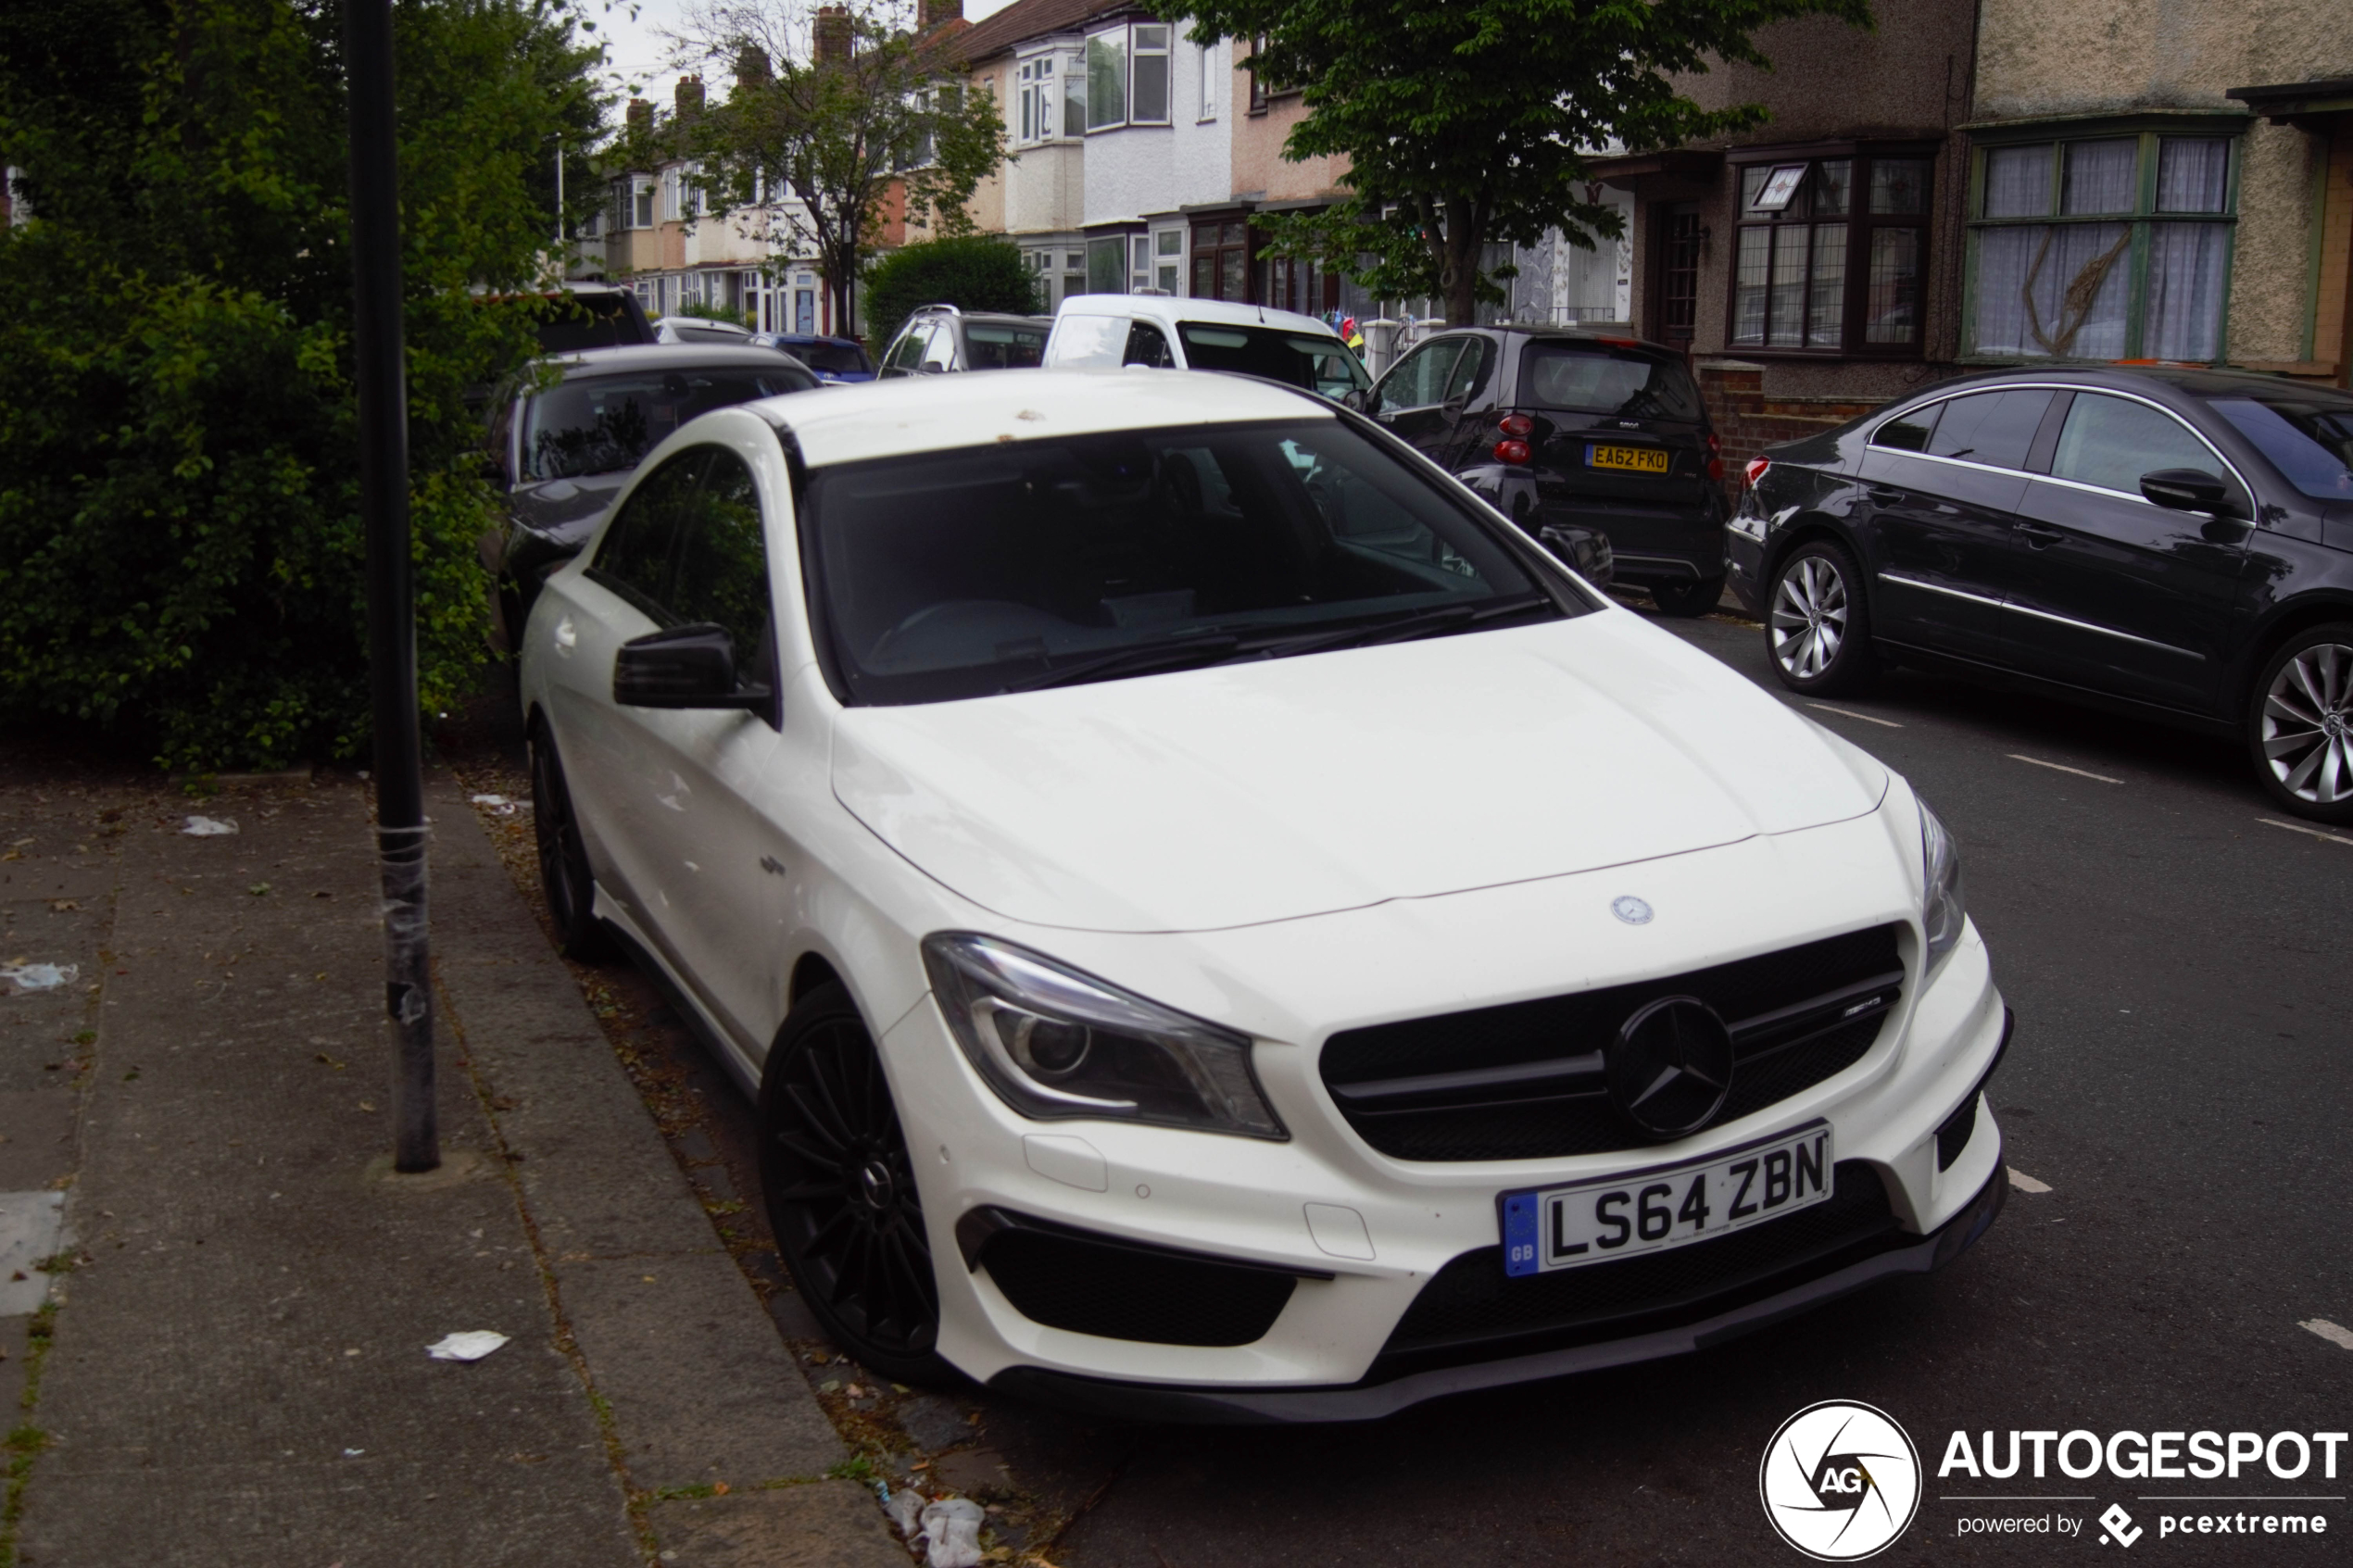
column 831, row 35
column 641, row 118
column 751, row 67
column 689, row 96
column 931, row 13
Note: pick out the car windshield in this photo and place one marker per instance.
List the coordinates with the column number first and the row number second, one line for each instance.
column 2307, row 438
column 603, row 424
column 1587, row 377
column 994, row 346
column 973, row 572
column 835, row 358
column 1305, row 359
column 573, row 322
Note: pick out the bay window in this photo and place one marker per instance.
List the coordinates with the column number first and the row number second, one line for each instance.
column 2113, row 243
column 1830, row 253
column 1128, row 77
column 1033, row 85
column 1107, row 80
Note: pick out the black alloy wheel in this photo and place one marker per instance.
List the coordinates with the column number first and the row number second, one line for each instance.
column 1688, row 600
column 841, row 1193
column 564, row 877
column 2299, row 724
column 1818, row 626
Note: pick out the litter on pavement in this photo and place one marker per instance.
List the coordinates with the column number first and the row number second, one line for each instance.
column 904, row 1506
column 470, row 1345
column 951, row 1533
column 208, row 827
column 500, row 806
column 40, row 976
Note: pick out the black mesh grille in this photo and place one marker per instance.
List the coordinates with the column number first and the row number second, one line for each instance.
column 1472, row 1311
column 1122, row 1292
column 1549, row 1120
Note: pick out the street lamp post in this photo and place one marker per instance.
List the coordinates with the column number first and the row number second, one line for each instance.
column 391, row 624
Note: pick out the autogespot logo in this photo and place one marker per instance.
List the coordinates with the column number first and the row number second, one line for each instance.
column 1839, row 1481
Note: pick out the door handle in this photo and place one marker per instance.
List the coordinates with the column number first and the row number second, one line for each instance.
column 2040, row 536
column 1885, row 496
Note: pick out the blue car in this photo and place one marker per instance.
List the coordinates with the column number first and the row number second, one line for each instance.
column 834, row 358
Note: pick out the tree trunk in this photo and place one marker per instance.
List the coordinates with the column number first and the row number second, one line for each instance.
column 1464, row 245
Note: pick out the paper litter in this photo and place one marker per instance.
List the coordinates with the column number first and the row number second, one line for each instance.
column 951, row 1533
column 471, row 1345
column 208, row 827
column 40, row 976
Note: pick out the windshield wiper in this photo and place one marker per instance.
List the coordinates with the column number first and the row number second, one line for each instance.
column 1412, row 623
column 1172, row 655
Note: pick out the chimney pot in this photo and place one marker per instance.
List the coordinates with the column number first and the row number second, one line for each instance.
column 831, row 35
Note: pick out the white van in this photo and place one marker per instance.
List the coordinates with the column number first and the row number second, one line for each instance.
column 1167, row 332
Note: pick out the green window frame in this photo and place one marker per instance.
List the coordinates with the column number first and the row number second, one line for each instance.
column 2095, row 242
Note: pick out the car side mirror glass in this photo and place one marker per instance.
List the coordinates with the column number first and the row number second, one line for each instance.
column 2188, row 490
column 690, row 665
column 1359, row 398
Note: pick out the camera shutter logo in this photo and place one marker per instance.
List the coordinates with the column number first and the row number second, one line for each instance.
column 1839, row 1481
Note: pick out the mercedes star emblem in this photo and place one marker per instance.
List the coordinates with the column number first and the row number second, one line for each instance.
column 1630, row 909
column 1670, row 1066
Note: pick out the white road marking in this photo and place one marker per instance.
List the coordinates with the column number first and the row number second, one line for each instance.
column 2292, row 827
column 2025, row 1183
column 1844, row 713
column 2340, row 1338
column 2062, row 768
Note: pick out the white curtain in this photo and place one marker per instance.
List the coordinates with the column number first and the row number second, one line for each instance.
column 2101, row 176
column 2018, row 182
column 2186, row 285
column 2056, row 291
column 2193, row 173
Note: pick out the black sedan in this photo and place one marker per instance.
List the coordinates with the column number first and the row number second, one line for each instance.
column 2173, row 544
column 567, row 433
column 1573, row 435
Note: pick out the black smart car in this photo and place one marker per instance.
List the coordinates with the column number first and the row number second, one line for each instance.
column 566, row 434
column 1568, row 430
column 2175, row 544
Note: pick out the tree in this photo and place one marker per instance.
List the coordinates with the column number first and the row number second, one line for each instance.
column 970, row 272
column 872, row 120
column 179, row 539
column 1470, row 123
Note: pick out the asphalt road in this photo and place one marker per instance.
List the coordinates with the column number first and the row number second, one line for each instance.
column 2179, row 1084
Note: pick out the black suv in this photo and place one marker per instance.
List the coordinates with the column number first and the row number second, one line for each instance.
column 2172, row 544
column 1568, row 431
column 941, row 338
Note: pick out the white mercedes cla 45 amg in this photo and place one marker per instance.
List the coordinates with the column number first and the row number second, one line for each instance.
column 1220, row 924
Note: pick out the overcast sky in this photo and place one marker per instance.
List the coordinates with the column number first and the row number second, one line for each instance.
column 634, row 51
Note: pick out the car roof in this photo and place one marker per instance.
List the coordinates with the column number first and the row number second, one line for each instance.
column 889, row 418
column 702, row 322
column 666, row 357
column 1006, row 317
column 813, row 337
column 1177, row 307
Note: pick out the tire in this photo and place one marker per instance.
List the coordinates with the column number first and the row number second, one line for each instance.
column 2299, row 723
column 1688, row 600
column 840, row 1190
column 1817, row 624
column 565, row 879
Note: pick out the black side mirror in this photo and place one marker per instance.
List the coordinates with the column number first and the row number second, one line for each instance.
column 1359, row 398
column 683, row 667
column 2188, row 490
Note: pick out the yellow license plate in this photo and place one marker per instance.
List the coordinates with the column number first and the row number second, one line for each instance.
column 1641, row 460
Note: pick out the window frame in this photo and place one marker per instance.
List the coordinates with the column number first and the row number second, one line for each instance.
column 1038, row 97
column 2149, row 132
column 1129, row 55
column 1861, row 224
column 1205, row 57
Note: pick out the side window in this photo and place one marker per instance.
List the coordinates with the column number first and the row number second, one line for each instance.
column 1147, row 345
column 908, row 351
column 1991, row 427
column 722, row 559
column 635, row 557
column 1470, row 370
column 940, row 354
column 1909, row 433
column 1419, row 379
column 2110, row 441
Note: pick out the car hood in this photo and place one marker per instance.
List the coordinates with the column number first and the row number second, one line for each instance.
column 1241, row 794
column 565, row 510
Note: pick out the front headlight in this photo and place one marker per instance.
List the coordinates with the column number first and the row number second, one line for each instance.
column 1942, row 911
column 1055, row 1043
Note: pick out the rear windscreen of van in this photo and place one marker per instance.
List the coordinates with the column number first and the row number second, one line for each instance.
column 994, row 346
column 1601, row 378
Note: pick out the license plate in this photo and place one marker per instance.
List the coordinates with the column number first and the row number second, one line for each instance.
column 1567, row 1227
column 1639, row 460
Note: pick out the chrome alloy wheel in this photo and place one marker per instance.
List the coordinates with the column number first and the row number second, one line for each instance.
column 1809, row 617
column 2307, row 715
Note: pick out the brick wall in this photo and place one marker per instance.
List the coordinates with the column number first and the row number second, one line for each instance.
column 1747, row 420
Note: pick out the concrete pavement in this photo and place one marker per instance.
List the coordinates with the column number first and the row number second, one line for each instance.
column 232, row 1366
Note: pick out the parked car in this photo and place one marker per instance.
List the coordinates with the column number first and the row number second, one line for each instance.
column 2172, row 544
column 1164, row 332
column 561, row 448
column 700, row 329
column 1564, row 429
column 582, row 316
column 833, row 358
column 940, row 338
column 1076, row 818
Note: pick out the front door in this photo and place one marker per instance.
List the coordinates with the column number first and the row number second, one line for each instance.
column 1675, row 310
column 2112, row 591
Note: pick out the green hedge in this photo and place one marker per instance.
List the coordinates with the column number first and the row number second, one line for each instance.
column 976, row 272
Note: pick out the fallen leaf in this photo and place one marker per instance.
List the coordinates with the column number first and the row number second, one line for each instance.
column 326, row 1061
column 258, row 888
column 719, row 1489
column 59, row 906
